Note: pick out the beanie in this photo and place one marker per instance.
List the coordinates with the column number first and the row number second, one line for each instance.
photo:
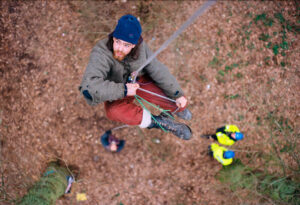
column 128, row 29
column 228, row 154
column 239, row 136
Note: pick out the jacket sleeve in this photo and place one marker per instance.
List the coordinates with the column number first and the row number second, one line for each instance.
column 94, row 86
column 162, row 76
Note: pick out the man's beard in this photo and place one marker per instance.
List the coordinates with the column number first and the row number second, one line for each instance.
column 118, row 55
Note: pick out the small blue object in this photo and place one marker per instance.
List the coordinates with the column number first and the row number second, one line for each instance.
column 87, row 95
column 239, row 136
column 228, row 154
column 49, row 172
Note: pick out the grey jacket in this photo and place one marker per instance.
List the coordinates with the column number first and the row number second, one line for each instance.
column 104, row 77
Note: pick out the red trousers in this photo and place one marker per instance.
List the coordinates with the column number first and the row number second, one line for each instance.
column 127, row 112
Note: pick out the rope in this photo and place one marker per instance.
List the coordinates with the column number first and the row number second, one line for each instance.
column 119, row 127
column 164, row 97
column 175, row 34
column 157, row 107
column 139, row 100
column 175, row 110
column 161, row 96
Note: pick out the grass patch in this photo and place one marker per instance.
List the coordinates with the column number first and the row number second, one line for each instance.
column 277, row 47
column 231, row 97
column 220, row 79
column 267, row 60
column 239, row 75
column 203, row 78
column 239, row 176
column 264, row 19
column 251, row 46
column 215, row 62
column 230, row 67
column 264, row 37
column 221, row 72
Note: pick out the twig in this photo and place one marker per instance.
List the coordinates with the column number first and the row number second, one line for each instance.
column 236, row 150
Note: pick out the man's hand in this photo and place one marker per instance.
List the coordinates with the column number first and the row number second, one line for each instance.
column 181, row 102
column 131, row 88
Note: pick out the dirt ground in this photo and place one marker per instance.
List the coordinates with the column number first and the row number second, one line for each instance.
column 45, row 46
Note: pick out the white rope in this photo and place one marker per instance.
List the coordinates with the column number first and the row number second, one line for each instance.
column 147, row 91
column 119, row 127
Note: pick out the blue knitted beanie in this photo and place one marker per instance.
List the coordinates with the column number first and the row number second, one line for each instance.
column 128, row 29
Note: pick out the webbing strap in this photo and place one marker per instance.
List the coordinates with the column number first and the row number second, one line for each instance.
column 137, row 98
column 153, row 105
column 164, row 97
column 176, row 33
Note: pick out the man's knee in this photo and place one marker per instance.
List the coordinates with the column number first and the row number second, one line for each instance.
column 127, row 113
column 111, row 111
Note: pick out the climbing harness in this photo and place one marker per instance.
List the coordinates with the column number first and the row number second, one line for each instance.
column 140, row 99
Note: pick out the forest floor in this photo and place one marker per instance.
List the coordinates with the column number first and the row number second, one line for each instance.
column 234, row 63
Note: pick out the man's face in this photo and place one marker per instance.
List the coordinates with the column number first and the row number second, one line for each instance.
column 121, row 49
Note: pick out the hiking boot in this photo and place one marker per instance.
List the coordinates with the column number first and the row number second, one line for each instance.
column 185, row 114
column 179, row 129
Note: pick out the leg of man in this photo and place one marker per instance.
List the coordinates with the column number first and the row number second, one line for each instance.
column 127, row 112
column 179, row 129
column 124, row 111
column 148, row 84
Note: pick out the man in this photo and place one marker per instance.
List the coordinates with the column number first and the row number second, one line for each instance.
column 111, row 143
column 227, row 135
column 112, row 62
column 221, row 154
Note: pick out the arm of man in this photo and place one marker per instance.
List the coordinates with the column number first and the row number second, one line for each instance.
column 164, row 79
column 95, row 87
